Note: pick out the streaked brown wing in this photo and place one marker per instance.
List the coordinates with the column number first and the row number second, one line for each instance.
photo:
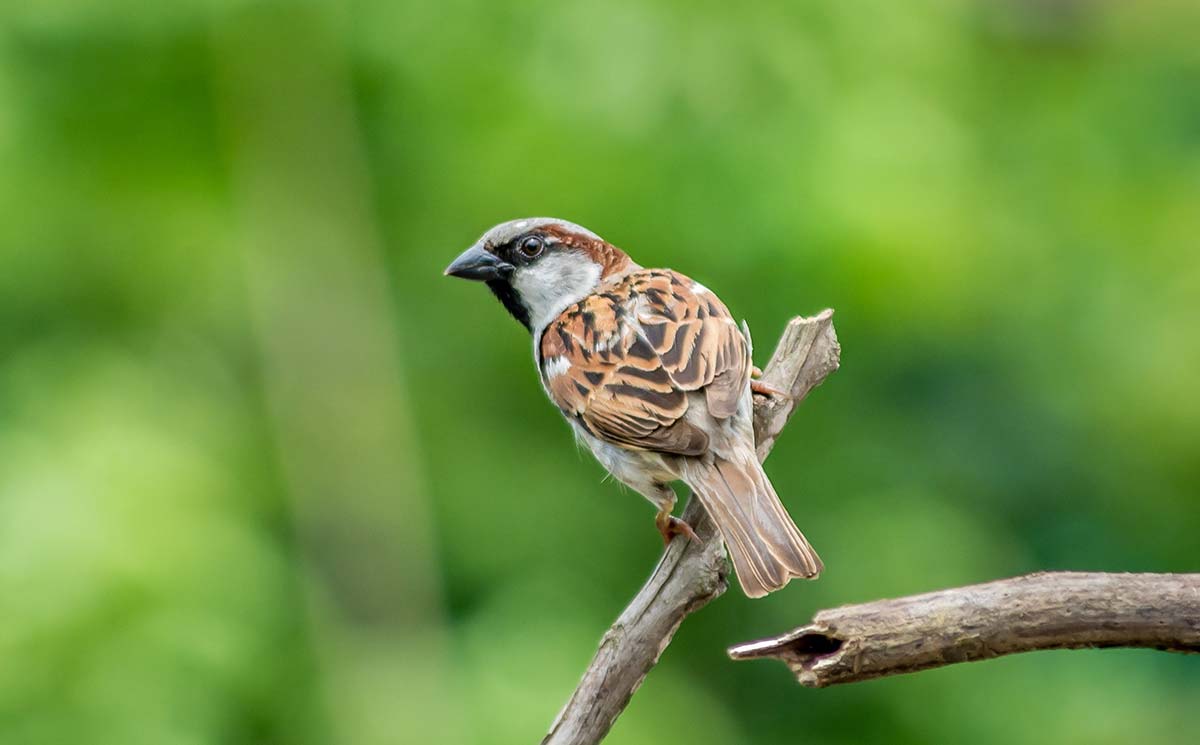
column 627, row 381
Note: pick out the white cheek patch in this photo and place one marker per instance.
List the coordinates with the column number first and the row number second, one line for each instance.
column 555, row 366
column 547, row 287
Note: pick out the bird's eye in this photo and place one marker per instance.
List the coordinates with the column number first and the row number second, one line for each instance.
column 531, row 246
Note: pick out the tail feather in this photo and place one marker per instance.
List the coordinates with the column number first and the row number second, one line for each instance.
column 766, row 547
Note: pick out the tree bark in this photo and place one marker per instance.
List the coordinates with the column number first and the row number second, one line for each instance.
column 1047, row 610
column 690, row 573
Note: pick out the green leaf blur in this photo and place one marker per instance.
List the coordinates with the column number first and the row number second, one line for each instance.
column 267, row 477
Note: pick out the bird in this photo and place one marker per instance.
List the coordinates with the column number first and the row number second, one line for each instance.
column 654, row 376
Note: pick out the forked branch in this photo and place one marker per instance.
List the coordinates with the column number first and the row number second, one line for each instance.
column 1054, row 610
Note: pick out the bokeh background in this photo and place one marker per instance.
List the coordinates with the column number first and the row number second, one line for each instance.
column 267, row 477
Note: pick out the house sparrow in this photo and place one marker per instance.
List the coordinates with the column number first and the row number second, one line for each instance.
column 653, row 375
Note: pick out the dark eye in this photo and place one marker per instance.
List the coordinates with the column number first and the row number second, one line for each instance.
column 531, row 246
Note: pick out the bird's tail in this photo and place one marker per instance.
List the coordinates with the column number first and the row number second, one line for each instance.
column 766, row 547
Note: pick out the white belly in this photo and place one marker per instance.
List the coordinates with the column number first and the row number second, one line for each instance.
column 641, row 470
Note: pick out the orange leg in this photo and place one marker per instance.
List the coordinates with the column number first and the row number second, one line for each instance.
column 761, row 388
column 671, row 526
column 757, row 386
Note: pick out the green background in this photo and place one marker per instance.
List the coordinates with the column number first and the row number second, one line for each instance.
column 267, row 477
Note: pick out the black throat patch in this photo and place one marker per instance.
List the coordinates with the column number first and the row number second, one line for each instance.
column 512, row 302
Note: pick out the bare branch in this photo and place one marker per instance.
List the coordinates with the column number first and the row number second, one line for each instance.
column 690, row 574
column 807, row 353
column 1048, row 610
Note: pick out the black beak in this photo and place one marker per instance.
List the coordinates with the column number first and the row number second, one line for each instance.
column 475, row 263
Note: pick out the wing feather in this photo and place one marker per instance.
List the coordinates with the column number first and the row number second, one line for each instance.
column 623, row 361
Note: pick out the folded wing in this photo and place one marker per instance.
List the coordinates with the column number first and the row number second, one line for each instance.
column 624, row 360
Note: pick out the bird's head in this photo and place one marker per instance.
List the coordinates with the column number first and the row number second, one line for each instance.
column 540, row 266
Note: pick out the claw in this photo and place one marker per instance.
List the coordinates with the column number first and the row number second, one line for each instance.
column 761, row 388
column 671, row 526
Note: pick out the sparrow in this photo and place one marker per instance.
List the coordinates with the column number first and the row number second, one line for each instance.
column 654, row 376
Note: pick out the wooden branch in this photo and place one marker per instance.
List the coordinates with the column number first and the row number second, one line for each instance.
column 1048, row 610
column 690, row 574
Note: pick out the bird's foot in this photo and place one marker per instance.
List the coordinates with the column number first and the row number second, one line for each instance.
column 761, row 388
column 671, row 526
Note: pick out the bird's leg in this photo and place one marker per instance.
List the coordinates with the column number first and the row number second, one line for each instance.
column 671, row 526
column 761, row 388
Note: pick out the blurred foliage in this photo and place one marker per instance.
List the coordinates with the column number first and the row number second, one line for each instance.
column 266, row 477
